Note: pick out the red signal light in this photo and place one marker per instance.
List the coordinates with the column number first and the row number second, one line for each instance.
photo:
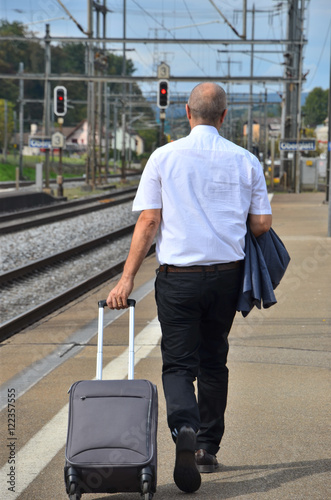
column 163, row 95
column 60, row 100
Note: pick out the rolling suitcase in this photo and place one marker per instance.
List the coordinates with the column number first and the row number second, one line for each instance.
column 112, row 425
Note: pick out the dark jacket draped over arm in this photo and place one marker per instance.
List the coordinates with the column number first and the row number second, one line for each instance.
column 265, row 264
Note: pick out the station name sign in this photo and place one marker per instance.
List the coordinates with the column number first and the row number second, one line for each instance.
column 40, row 142
column 294, row 145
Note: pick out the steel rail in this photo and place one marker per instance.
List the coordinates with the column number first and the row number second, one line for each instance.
column 26, row 319
column 37, row 265
column 30, row 317
column 12, row 184
column 58, row 206
column 8, row 228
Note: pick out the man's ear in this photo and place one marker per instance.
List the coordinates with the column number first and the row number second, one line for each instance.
column 225, row 112
column 188, row 112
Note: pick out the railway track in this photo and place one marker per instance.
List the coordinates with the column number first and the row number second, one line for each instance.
column 66, row 180
column 40, row 264
column 11, row 223
column 43, row 309
column 35, row 314
column 31, row 288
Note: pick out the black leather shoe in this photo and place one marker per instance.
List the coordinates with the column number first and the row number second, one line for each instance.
column 186, row 474
column 205, row 461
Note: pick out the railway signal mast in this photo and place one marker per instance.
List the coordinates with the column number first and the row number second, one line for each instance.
column 60, row 101
column 163, row 74
column 60, row 110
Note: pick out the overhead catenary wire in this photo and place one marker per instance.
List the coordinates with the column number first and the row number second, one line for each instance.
column 196, row 26
column 174, row 38
column 225, row 19
column 321, row 54
column 72, row 18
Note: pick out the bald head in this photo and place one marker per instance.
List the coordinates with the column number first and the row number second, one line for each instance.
column 207, row 104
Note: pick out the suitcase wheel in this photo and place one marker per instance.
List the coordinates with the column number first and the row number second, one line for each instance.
column 74, row 495
column 146, row 483
column 71, row 482
column 146, row 495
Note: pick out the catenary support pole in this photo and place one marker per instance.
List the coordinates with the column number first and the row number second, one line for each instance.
column 250, row 108
column 21, row 119
column 329, row 153
column 124, row 96
column 47, row 100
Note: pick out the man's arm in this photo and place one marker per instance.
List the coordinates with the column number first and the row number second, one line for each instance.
column 142, row 239
column 259, row 224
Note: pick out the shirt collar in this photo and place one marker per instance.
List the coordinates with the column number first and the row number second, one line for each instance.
column 204, row 129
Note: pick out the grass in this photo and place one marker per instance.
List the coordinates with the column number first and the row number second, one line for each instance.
column 30, row 161
column 73, row 167
column 77, row 192
column 73, row 193
column 8, row 173
column 8, row 169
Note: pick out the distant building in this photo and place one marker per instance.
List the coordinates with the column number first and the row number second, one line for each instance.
column 133, row 141
column 273, row 129
column 321, row 132
column 77, row 139
column 256, row 131
column 77, row 136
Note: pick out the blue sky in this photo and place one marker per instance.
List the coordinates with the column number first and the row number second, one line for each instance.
column 193, row 19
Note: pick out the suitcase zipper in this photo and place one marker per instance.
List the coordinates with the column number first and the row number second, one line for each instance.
column 105, row 397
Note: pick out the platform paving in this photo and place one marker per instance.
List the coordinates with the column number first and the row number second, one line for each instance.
column 278, row 439
column 277, row 443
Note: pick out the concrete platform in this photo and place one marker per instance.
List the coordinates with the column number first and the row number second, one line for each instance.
column 20, row 200
column 277, row 441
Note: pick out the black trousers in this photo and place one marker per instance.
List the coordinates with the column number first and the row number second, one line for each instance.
column 196, row 311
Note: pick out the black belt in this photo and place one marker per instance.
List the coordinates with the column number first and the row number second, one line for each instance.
column 199, row 269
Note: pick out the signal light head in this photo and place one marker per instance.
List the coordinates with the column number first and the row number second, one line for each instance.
column 60, row 101
column 163, row 94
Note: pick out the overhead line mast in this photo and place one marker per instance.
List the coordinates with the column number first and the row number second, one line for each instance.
column 294, row 41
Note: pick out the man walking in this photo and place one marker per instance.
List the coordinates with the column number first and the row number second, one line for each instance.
column 196, row 195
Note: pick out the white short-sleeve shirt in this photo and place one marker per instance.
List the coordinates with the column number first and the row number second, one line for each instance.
column 206, row 186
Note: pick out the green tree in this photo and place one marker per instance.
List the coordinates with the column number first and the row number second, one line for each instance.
column 315, row 109
column 65, row 58
column 11, row 53
column 31, row 54
column 150, row 137
column 6, row 129
column 70, row 58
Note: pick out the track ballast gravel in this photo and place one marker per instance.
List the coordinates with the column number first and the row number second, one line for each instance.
column 20, row 248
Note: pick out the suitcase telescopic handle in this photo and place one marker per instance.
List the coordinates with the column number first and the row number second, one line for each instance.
column 102, row 304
